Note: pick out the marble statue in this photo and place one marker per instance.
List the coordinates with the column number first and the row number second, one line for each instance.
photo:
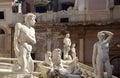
column 72, row 71
column 65, row 68
column 46, row 67
column 67, row 45
column 52, row 61
column 48, row 59
column 73, row 51
column 56, row 58
column 24, row 38
column 54, row 67
column 100, row 58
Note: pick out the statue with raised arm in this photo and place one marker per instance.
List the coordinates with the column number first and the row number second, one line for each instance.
column 67, row 45
column 24, row 38
column 100, row 58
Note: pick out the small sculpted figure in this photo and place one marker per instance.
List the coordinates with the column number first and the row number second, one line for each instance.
column 100, row 58
column 67, row 45
column 73, row 50
column 48, row 59
column 71, row 70
column 46, row 67
column 56, row 58
column 24, row 38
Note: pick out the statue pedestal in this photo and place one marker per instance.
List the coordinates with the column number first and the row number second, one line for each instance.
column 7, row 73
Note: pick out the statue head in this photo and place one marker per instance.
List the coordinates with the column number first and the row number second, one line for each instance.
column 30, row 19
column 56, row 57
column 73, row 45
column 67, row 35
column 101, row 36
column 57, row 53
column 49, row 54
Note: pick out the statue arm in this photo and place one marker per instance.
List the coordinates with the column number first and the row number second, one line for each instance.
column 110, row 35
column 16, row 35
column 64, row 41
column 70, row 42
column 32, row 37
column 94, row 55
column 51, row 63
column 68, row 62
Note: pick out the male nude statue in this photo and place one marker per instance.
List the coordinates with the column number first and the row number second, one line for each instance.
column 24, row 38
column 100, row 58
column 67, row 45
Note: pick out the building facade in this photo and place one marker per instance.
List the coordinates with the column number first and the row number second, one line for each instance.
column 81, row 18
column 5, row 32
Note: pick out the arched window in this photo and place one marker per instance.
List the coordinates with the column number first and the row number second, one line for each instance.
column 2, row 31
column 2, row 39
column 41, row 9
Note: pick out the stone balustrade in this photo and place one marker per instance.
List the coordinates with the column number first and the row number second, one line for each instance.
column 89, row 71
column 7, row 71
column 6, row 68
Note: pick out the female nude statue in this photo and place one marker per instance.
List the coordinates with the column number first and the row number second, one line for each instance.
column 100, row 58
column 24, row 38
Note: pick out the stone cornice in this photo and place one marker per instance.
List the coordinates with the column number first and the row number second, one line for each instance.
column 90, row 25
column 112, row 24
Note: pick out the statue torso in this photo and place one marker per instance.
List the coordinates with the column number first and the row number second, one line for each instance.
column 23, row 38
column 103, row 51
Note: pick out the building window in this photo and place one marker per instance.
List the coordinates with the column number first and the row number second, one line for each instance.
column 15, row 9
column 64, row 20
column 41, row 9
column 1, row 15
column 2, row 31
column 116, row 2
column 2, row 39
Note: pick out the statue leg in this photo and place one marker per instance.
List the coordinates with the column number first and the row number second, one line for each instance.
column 99, row 69
column 108, row 69
column 22, row 60
column 31, row 64
column 65, row 53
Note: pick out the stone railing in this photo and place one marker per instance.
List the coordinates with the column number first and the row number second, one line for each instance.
column 6, row 71
column 88, row 71
column 6, row 67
